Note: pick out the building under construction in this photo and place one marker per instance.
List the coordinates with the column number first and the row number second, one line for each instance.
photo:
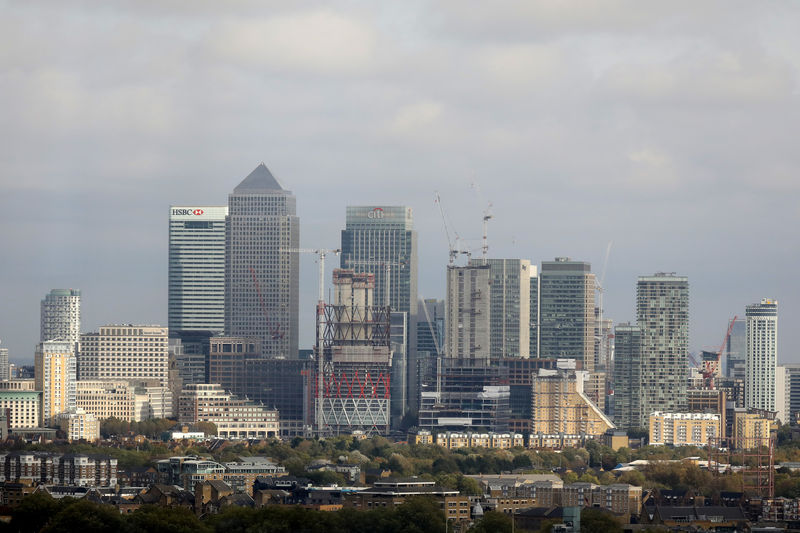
column 351, row 385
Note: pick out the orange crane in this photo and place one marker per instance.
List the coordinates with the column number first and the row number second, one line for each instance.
column 711, row 368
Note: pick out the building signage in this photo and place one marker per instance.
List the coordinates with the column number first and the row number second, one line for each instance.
column 190, row 211
column 376, row 213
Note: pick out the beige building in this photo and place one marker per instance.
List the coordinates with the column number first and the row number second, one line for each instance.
column 130, row 353
column 453, row 440
column 420, row 436
column 106, row 399
column 684, row 429
column 79, row 425
column 560, row 405
column 54, row 375
column 235, row 418
column 467, row 312
column 751, row 428
column 23, row 406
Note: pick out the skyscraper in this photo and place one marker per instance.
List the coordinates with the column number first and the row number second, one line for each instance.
column 261, row 275
column 5, row 372
column 381, row 240
column 55, row 377
column 196, row 268
column 566, row 311
column 61, row 316
column 662, row 309
column 627, row 376
column 510, row 301
column 736, row 350
column 762, row 354
column 468, row 312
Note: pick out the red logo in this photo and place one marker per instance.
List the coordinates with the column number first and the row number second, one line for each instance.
column 197, row 212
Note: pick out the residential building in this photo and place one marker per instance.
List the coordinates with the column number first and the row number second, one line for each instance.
column 560, row 405
column 782, row 394
column 390, row 492
column 235, row 418
column 5, row 370
column 106, row 399
column 452, row 440
column 684, row 429
column 509, row 306
column 520, row 374
column 468, row 312
column 61, row 316
column 762, row 354
column 736, row 350
column 240, row 475
column 74, row 470
column 627, row 376
column 751, row 428
column 79, row 425
column 196, row 276
column 23, row 407
column 125, row 352
column 793, row 389
column 54, row 364
column 534, row 313
column 566, row 311
column 662, row 309
column 261, row 270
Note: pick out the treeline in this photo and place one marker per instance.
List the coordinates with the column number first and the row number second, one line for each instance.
column 152, row 428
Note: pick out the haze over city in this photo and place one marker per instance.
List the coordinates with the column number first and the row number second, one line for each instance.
column 668, row 129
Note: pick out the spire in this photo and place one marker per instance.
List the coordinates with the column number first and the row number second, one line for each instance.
column 260, row 179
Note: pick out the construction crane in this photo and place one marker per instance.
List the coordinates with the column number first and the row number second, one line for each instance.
column 711, row 367
column 452, row 246
column 487, row 216
column 600, row 290
column 321, row 252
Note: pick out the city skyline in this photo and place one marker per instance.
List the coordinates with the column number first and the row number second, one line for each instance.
column 581, row 125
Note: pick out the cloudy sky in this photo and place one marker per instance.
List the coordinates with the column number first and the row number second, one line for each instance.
column 667, row 128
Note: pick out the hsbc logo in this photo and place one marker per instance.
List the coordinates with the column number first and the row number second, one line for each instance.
column 196, row 212
column 376, row 213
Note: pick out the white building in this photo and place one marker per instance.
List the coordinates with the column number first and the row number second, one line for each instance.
column 762, row 355
column 125, row 352
column 23, row 406
column 79, row 425
column 234, row 417
column 468, row 312
column 61, row 316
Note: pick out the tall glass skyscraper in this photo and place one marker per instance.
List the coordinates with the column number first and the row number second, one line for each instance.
column 197, row 268
column 61, row 316
column 762, row 354
column 736, row 350
column 662, row 310
column 377, row 237
column 627, row 376
column 261, row 274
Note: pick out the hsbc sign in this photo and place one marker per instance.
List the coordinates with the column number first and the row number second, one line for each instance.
column 196, row 212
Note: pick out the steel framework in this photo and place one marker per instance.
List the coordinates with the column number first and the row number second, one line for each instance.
column 755, row 458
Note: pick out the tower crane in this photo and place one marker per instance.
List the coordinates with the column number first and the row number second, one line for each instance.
column 321, row 252
column 387, row 265
column 711, row 368
column 452, row 245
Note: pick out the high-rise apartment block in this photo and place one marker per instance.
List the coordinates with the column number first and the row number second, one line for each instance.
column 566, row 311
column 736, row 350
column 54, row 364
column 762, row 354
column 125, row 352
column 468, row 312
column 662, row 309
column 5, row 369
column 261, row 273
column 196, row 268
column 61, row 316
column 627, row 376
column 510, row 306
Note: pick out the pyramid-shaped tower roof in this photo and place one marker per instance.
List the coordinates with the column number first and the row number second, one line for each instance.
column 259, row 180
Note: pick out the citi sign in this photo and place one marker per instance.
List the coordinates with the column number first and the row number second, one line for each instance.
column 197, row 212
column 376, row 213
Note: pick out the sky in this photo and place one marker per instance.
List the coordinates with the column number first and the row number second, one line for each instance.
column 669, row 129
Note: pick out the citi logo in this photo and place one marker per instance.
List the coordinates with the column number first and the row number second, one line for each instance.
column 376, row 213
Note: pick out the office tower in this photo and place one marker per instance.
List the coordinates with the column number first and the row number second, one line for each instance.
column 196, row 268
column 125, row 352
column 61, row 316
column 510, row 300
column 662, row 309
column 356, row 360
column 226, row 361
column 55, row 377
column 566, row 311
column 279, row 384
column 736, row 350
column 782, row 393
column 398, row 341
column 381, row 240
column 793, row 390
column 467, row 312
column 762, row 354
column 261, row 274
column 5, row 369
column 534, row 312
column 627, row 376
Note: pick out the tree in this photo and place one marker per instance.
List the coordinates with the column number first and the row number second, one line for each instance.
column 33, row 513
column 595, row 520
column 209, row 428
column 493, row 522
column 420, row 514
column 86, row 517
column 156, row 519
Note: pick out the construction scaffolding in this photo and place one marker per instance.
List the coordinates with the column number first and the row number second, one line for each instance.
column 752, row 457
